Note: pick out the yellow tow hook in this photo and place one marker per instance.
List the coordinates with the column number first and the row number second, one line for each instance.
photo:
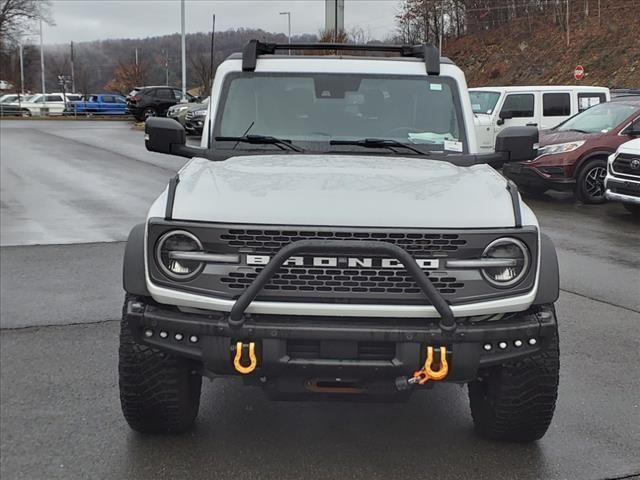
column 426, row 373
column 253, row 361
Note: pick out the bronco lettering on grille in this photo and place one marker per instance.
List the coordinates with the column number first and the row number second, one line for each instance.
column 351, row 262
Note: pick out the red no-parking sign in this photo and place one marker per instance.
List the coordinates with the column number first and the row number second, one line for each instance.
column 578, row 73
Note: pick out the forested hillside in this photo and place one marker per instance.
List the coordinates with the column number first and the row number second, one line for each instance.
column 494, row 41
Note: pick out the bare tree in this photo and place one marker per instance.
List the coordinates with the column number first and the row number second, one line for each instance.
column 201, row 68
column 15, row 16
column 127, row 76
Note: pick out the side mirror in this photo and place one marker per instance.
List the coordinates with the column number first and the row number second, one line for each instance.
column 504, row 115
column 165, row 135
column 517, row 144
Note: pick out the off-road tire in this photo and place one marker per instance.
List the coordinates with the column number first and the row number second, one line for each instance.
column 591, row 173
column 159, row 392
column 515, row 401
column 633, row 209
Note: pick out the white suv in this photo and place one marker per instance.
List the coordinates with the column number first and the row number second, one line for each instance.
column 338, row 234
column 622, row 182
column 48, row 104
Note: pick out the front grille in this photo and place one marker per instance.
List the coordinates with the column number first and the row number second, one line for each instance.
column 339, row 280
column 311, row 349
column 343, row 281
column 622, row 164
column 271, row 241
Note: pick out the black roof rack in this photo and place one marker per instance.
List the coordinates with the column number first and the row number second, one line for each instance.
column 427, row 51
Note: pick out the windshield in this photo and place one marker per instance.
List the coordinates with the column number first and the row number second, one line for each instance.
column 318, row 108
column 599, row 118
column 483, row 101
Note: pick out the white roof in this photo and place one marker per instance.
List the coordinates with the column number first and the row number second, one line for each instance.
column 543, row 88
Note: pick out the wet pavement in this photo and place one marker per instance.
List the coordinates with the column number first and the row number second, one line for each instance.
column 76, row 188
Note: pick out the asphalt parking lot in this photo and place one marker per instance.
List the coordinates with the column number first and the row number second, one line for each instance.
column 70, row 193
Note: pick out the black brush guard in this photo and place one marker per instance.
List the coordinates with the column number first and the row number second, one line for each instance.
column 447, row 321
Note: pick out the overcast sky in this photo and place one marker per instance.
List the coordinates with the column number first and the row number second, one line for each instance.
column 82, row 20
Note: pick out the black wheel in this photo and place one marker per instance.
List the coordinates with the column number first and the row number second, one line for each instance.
column 633, row 209
column 149, row 112
column 531, row 190
column 590, row 182
column 159, row 392
column 26, row 113
column 515, row 401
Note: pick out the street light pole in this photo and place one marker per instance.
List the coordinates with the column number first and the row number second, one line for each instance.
column 184, row 54
column 73, row 76
column 288, row 14
column 42, row 60
column 21, row 68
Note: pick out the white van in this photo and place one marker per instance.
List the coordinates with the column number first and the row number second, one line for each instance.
column 544, row 107
column 48, row 104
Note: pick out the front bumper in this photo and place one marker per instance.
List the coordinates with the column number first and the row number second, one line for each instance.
column 194, row 125
column 622, row 190
column 531, row 176
column 333, row 345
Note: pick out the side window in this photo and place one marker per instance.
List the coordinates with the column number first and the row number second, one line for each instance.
column 589, row 99
column 54, row 98
column 556, row 104
column 164, row 93
column 108, row 99
column 520, row 105
column 120, row 100
column 93, row 98
column 633, row 127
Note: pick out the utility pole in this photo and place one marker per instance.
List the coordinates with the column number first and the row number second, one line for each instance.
column 288, row 14
column 73, row 77
column 165, row 54
column 567, row 23
column 213, row 48
column 21, row 69
column 598, row 12
column 441, row 25
column 42, row 60
column 184, row 53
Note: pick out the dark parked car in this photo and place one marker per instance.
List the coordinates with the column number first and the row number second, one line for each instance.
column 573, row 155
column 144, row 102
column 195, row 117
column 100, row 104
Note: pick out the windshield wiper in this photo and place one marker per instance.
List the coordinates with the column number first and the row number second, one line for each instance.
column 574, row 130
column 262, row 140
column 377, row 143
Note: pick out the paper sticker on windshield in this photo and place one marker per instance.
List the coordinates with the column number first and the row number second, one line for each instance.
column 453, row 146
column 435, row 86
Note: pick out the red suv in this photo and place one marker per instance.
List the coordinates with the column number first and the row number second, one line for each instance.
column 573, row 155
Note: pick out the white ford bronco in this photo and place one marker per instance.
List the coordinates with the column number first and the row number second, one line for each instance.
column 338, row 235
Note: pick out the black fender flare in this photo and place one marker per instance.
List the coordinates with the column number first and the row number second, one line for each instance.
column 133, row 271
column 549, row 277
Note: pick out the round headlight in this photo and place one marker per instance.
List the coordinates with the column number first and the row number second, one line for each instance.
column 168, row 250
column 506, row 249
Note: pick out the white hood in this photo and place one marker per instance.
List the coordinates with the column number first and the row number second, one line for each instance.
column 334, row 190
